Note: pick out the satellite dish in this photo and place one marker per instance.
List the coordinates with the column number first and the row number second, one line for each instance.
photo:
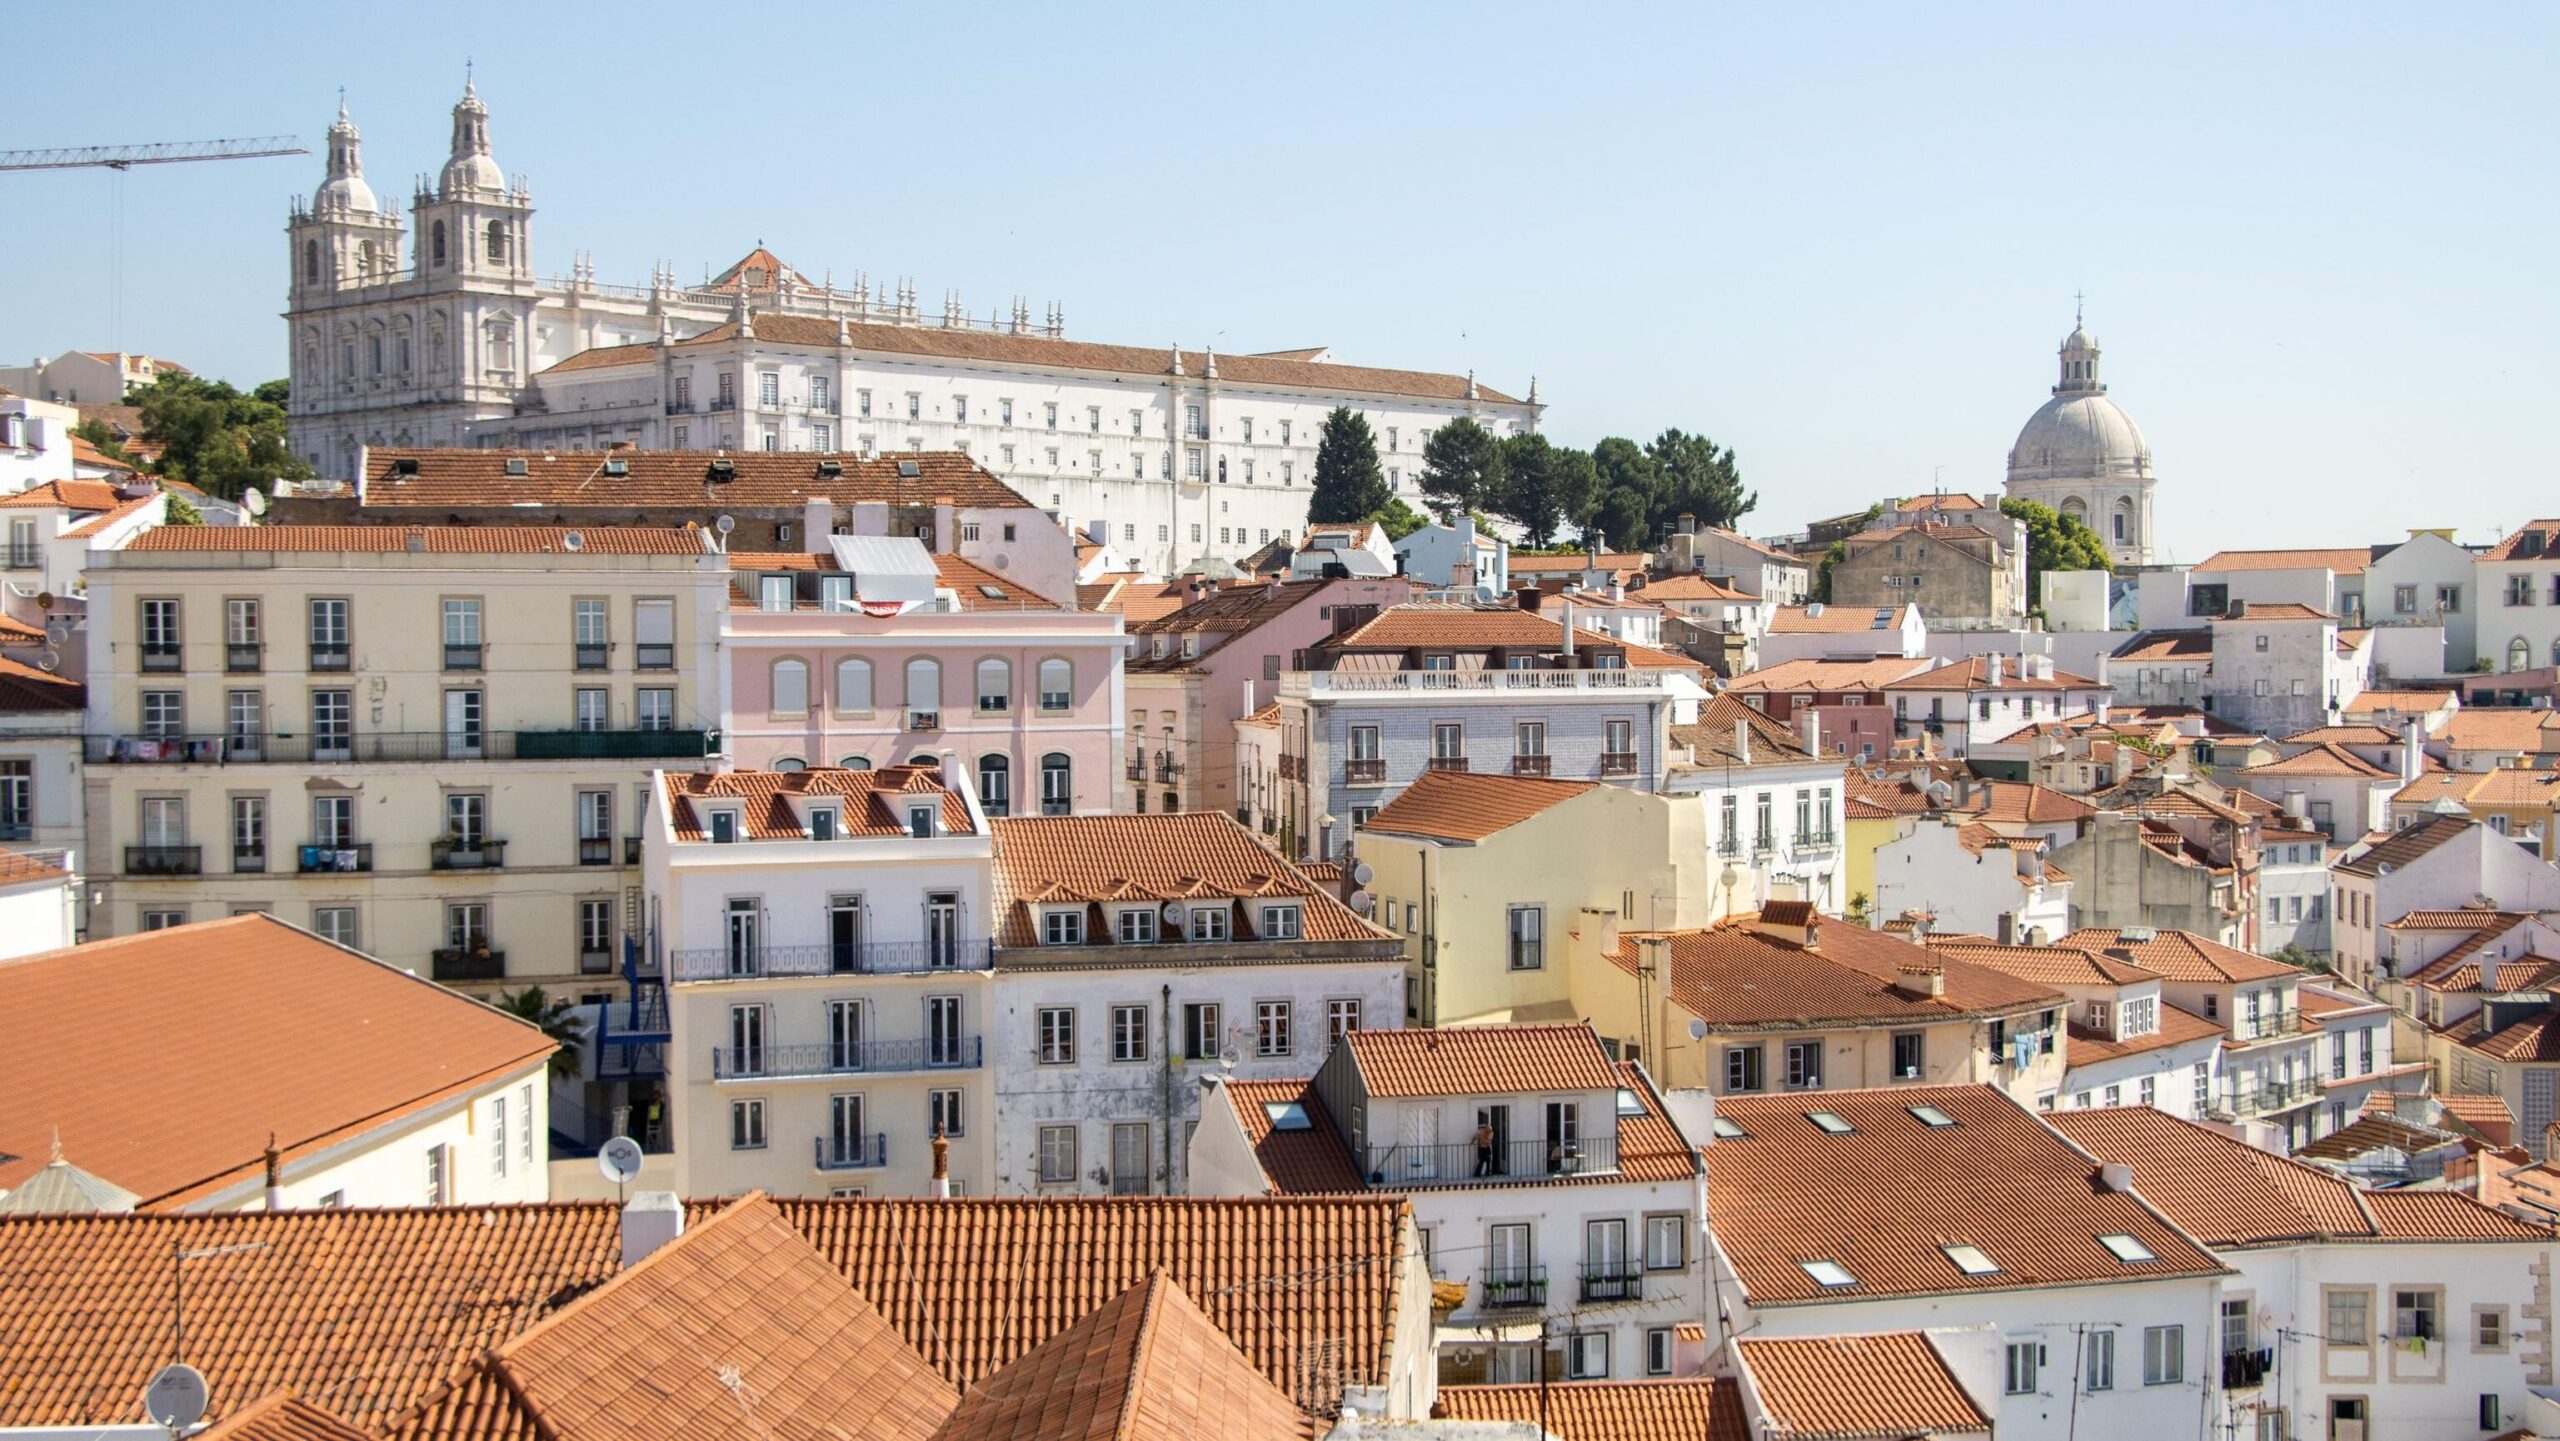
column 176, row 1396
column 48, row 659
column 573, row 541
column 1175, row 913
column 1229, row 1057
column 725, row 524
column 1358, row 901
column 254, row 501
column 1361, row 874
column 1697, row 1029
column 44, row 600
column 620, row 1159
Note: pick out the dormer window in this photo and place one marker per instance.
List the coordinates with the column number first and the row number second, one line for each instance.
column 1209, row 923
column 724, row 827
column 822, row 823
column 773, row 592
column 920, row 821
column 1062, row 928
column 835, row 592
column 1281, row 923
column 1138, row 926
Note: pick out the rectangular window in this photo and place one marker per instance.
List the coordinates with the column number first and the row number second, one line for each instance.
column 1281, row 923
column 2350, row 1318
column 1341, row 1017
column 462, row 634
column 335, row 924
column 746, row 1125
column 164, row 715
column 1528, row 938
column 1271, row 1026
column 944, row 1113
column 244, row 728
column 1138, row 926
column 1742, row 1073
column 439, row 1176
column 1057, row 1155
column 655, row 708
column 1590, row 1356
column 1657, row 1350
column 1128, row 1033
column 1804, row 1065
column 1057, row 1025
column 2417, row 1314
column 1201, row 1039
column 2164, row 1355
column 1907, row 1046
column 1666, row 1243
column 2024, row 1360
column 2102, row 1360
column 248, row 833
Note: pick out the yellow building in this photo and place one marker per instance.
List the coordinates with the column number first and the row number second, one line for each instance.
column 1487, row 877
column 2521, row 804
column 429, row 743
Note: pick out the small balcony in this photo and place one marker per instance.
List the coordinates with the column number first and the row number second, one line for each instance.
column 1293, row 767
column 2261, row 1100
column 679, row 407
column 1618, row 1281
column 853, row 1153
column 850, row 958
column 161, row 658
column 1513, row 1288
column 1729, row 846
column 654, row 655
column 1530, row 765
column 595, row 850
column 1465, row 1163
column 1167, row 768
column 243, row 659
column 164, row 860
column 924, row 720
column 328, row 657
column 26, row 557
column 852, row 1058
column 1137, row 767
column 1370, row 772
column 1617, row 763
column 592, row 657
column 479, row 963
column 448, row 853
column 615, row 745
column 1764, row 843
column 631, row 850
column 17, row 828
column 2267, row 1026
column 1449, row 763
column 333, row 860
column 248, row 860
column 462, row 657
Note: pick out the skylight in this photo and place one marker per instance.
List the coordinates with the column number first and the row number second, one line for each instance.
column 991, row 592
column 1287, row 1116
column 1971, row 1260
column 1931, row 1116
column 1829, row 1273
column 1630, row 1104
column 2125, row 1248
column 1829, row 1123
column 1728, row 1129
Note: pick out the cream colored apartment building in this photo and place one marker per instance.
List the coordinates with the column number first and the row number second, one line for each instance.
column 429, row 743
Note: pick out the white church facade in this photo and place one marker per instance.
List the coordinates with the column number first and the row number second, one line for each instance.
column 440, row 334
column 2083, row 456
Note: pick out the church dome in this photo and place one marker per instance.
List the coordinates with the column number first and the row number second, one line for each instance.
column 471, row 168
column 2080, row 434
column 345, row 189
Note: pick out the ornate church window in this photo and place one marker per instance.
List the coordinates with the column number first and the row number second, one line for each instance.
column 437, row 242
column 497, row 242
column 502, row 346
column 311, row 262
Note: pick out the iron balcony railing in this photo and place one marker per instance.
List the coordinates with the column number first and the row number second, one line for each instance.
column 1612, row 1281
column 852, row 1153
column 2260, row 1099
column 1137, row 768
column 163, row 860
column 1728, row 845
column 17, row 829
column 1365, row 772
column 1617, row 763
column 1167, row 768
column 631, row 850
column 446, row 854
column 325, row 656
column 851, row 1058
column 333, row 860
column 160, row 657
column 476, row 964
column 2266, row 1025
column 852, row 958
column 25, row 557
column 595, row 656
column 243, row 658
column 654, row 655
column 1530, row 765
column 1448, row 763
column 1463, row 1162
column 368, row 747
column 1511, row 1288
column 595, row 850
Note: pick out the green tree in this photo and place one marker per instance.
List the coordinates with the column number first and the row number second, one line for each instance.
column 1461, row 469
column 1622, row 492
column 1349, row 485
column 557, row 1019
column 181, row 511
column 1699, row 477
column 95, row 432
column 1544, row 487
column 1822, row 570
column 2054, row 542
column 1398, row 519
column 213, row 436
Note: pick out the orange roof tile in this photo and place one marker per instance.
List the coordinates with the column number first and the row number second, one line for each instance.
column 17, row 868
column 86, row 495
column 1735, row 976
column 1146, row 1365
column 282, row 1416
column 1885, row 1383
column 677, row 480
column 2357, row 735
column 1819, row 619
column 875, row 800
column 1481, row 1060
column 1188, row 856
column 1470, row 805
column 429, row 539
column 2406, row 1215
column 1827, row 675
column 2044, row 965
column 97, row 525
column 266, row 1010
column 2506, row 786
column 2325, row 759
column 1974, row 673
column 1710, row 742
column 2250, row 610
column 1696, row 1410
column 2523, row 729
column 25, row 688
column 2177, row 1028
column 2546, row 534
column 1298, row 1162
column 2368, row 702
column 2182, row 956
column 1435, row 625
column 1675, row 588
column 2398, row 848
column 2344, row 561
column 2160, row 645
column 1895, row 1190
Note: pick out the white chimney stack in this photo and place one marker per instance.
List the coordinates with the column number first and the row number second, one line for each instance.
column 650, row 1219
column 817, row 522
column 1742, row 741
column 1999, row 667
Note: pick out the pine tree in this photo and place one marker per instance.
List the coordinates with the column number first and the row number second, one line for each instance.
column 1349, row 485
column 1461, row 469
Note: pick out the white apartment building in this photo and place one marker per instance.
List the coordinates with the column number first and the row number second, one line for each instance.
column 2126, row 1044
column 822, row 936
column 2437, row 863
column 1556, row 1187
column 449, row 338
column 428, row 743
column 1972, row 880
column 1766, row 804
column 2517, row 583
column 1136, row 957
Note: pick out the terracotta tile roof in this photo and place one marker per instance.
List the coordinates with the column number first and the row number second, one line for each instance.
column 2344, row 561
column 281, row 1416
column 1469, row 806
column 2313, row 1001
column 1433, row 625
column 25, row 688
column 1309, row 1161
column 1736, row 538
column 967, row 576
column 876, row 800
column 1146, row 1365
column 2250, row 610
column 1143, row 600
column 2409, row 1215
column 2370, row 1133
column 2325, row 759
column 85, row 495
column 1975, row 674
column 1858, row 808
column 2505, row 786
column 2177, row 1028
column 1826, row 675
column 98, row 525
column 1735, row 976
column 1269, row 715
column 1885, row 1383
column 1897, row 797
column 1819, row 619
column 986, row 347
column 1696, row 1410
column 2054, row 966
column 17, row 868
column 14, row 631
column 2183, row 956
column 1481, row 1060
column 2022, row 803
column 2345, row 735
column 430, row 539
column 2405, row 845
column 1577, row 563
column 101, row 1070
column 1188, row 856
column 1219, row 618
column 1895, row 1190
column 2468, row 918
column 1709, row 741
column 2535, row 1038
column 2168, row 645
column 678, row 480
column 2527, row 730
column 2479, row 1112
column 2547, row 537
column 2371, row 701
column 1675, row 588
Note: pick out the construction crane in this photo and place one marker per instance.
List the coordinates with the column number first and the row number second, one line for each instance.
column 125, row 157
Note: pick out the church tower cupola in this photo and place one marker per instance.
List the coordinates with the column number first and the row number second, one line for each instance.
column 2079, row 362
column 344, row 189
column 471, row 168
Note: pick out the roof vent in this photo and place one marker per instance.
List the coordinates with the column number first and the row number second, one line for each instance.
column 416, row 544
column 723, row 469
column 2116, row 1176
column 516, row 465
column 617, row 467
column 405, row 465
column 1813, row 608
column 909, row 470
column 830, row 469
column 573, row 541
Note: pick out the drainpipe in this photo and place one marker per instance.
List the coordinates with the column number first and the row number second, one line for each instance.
column 275, row 1175
column 1164, row 1082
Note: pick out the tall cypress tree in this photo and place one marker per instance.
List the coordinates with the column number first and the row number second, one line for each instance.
column 1349, row 484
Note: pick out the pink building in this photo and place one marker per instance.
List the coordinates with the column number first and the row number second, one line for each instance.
column 878, row 652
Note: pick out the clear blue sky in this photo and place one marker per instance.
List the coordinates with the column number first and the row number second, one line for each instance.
column 2317, row 241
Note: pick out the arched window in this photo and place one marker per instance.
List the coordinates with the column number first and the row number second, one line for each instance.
column 995, row 686
column 791, row 687
column 2555, row 652
column 497, row 242
column 853, row 687
column 856, row 763
column 2519, row 654
column 2124, row 518
column 502, row 346
column 435, row 242
column 790, row 763
column 1057, row 784
column 311, row 262
column 2076, row 508
column 995, row 784
column 1057, row 684
column 924, row 688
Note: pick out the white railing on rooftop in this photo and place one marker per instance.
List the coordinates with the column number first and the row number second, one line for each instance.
column 1485, row 682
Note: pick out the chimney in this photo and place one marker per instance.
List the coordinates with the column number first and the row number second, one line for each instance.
column 1999, row 668
column 1921, row 980
column 1742, row 740
column 2409, row 752
column 275, row 1170
column 941, row 1165
column 1794, row 922
column 2489, row 969
column 871, row 517
column 2117, row 1177
column 650, row 1219
column 817, row 522
column 1813, row 731
column 1248, row 697
column 2030, row 862
column 1568, row 632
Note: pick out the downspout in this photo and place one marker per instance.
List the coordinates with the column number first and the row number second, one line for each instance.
column 1164, row 1082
